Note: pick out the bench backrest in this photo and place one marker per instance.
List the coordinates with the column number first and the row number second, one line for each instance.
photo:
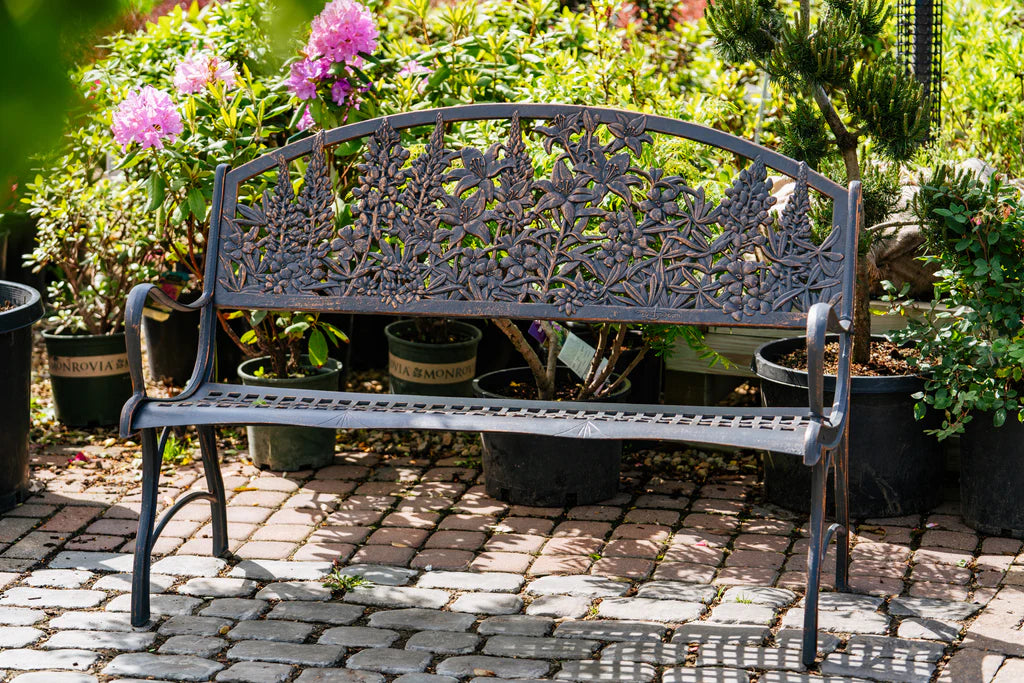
column 473, row 232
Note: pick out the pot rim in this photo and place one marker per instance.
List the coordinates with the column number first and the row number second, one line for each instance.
column 23, row 314
column 333, row 369
column 621, row 392
column 476, row 334
column 80, row 336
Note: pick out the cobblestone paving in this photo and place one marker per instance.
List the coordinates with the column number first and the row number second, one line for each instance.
column 666, row 582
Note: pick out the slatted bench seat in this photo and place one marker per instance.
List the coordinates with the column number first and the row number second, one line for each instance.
column 465, row 232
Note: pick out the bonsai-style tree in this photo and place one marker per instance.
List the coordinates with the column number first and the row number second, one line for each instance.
column 844, row 89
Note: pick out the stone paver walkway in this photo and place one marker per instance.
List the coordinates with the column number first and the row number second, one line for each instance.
column 666, row 582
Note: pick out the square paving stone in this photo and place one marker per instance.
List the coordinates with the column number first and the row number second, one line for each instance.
column 200, row 646
column 502, row 667
column 326, row 613
column 674, row 611
column 187, row 625
column 488, row 603
column 160, row 604
column 173, row 667
column 515, row 625
column 255, row 672
column 287, row 653
column 540, row 648
column 443, row 642
column 611, row 631
column 389, row 661
column 358, row 636
column 619, row 672
column 275, row 629
column 219, row 587
column 415, row 619
column 234, row 608
column 99, row 640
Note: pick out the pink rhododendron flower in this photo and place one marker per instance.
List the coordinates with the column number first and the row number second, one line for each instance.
column 197, row 71
column 414, row 69
column 146, row 116
column 306, row 121
column 341, row 31
column 340, row 91
column 305, row 76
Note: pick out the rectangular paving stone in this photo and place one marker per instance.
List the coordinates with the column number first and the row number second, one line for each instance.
column 741, row 613
column 611, row 631
column 187, row 625
column 443, row 642
column 380, row 574
column 99, row 640
column 559, row 606
column 326, row 613
column 255, row 672
column 92, row 561
column 620, row 672
column 295, row 590
column 58, row 578
column 502, row 667
column 662, row 654
column 515, row 625
column 160, row 604
column 287, row 653
column 932, row 629
column 884, row 668
column 34, row 660
column 20, row 616
column 53, row 677
column 886, row 646
column 95, row 621
column 360, row 636
column 761, row 595
column 122, row 583
column 580, row 585
column 51, row 597
column 398, row 596
column 491, row 582
column 18, row 636
column 206, row 587
column 172, row 667
column 415, row 619
column 488, row 603
column 234, row 608
column 932, row 608
column 280, row 570
column 189, row 565
column 720, row 634
column 677, row 590
column 749, row 657
column 275, row 629
column 389, row 661
column 674, row 611
column 540, row 648
column 707, row 674
column 841, row 622
column 339, row 676
column 199, row 646
column 794, row 638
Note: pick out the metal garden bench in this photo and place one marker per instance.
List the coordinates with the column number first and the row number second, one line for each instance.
column 473, row 233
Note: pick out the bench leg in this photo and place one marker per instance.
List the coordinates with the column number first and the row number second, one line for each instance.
column 151, row 458
column 214, row 483
column 841, row 464
column 819, row 474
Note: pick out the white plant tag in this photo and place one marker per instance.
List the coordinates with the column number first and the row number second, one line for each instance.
column 578, row 355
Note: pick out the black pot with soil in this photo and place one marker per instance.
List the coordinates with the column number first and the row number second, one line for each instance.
column 648, row 375
column 20, row 308
column 992, row 476
column 172, row 340
column 547, row 471
column 895, row 468
column 427, row 366
column 290, row 449
column 89, row 377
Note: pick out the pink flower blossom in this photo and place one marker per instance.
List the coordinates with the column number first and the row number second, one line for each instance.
column 340, row 91
column 146, row 116
column 341, row 31
column 306, row 121
column 198, row 71
column 305, row 76
column 414, row 69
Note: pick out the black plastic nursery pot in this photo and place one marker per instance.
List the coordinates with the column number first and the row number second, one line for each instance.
column 546, row 471
column 895, row 468
column 290, row 449
column 991, row 476
column 89, row 376
column 171, row 345
column 23, row 308
column 432, row 369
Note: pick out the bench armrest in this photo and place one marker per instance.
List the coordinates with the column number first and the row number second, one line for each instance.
column 821, row 320
column 137, row 300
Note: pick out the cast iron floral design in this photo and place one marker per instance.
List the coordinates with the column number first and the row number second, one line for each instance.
column 477, row 225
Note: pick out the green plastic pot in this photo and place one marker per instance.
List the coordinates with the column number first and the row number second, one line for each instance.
column 89, row 376
column 289, row 449
column 431, row 369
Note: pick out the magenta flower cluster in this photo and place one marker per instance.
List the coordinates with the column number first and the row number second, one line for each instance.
column 146, row 116
column 343, row 30
column 198, row 71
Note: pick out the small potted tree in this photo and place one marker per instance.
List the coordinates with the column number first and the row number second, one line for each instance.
column 94, row 235
column 844, row 90
column 972, row 348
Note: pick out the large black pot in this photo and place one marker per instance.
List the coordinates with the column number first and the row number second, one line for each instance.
column 15, row 387
column 172, row 343
column 431, row 369
column 89, row 376
column 992, row 476
column 546, row 471
column 895, row 468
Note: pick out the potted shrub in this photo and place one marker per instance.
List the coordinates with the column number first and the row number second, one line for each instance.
column 972, row 350
column 844, row 89
column 94, row 235
column 432, row 356
column 290, row 350
column 20, row 307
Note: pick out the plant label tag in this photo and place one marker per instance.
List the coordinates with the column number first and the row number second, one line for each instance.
column 537, row 332
column 578, row 355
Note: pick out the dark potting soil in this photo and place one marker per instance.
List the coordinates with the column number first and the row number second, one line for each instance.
column 887, row 360
column 433, row 335
column 527, row 391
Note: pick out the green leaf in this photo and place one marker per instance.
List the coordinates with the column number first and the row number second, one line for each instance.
column 336, row 334
column 296, row 329
column 317, row 348
column 919, row 411
column 197, row 203
column 999, row 417
column 249, row 337
column 156, row 188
